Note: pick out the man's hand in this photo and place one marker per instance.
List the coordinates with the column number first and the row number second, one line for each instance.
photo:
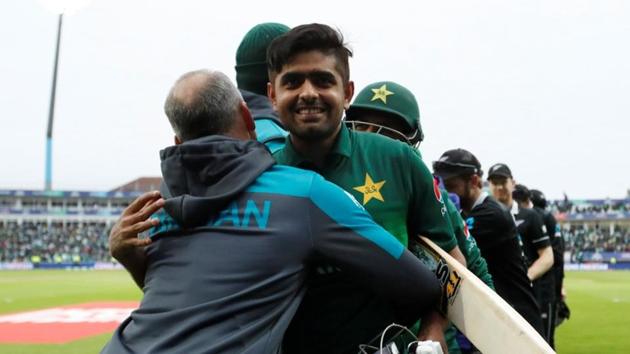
column 458, row 255
column 124, row 244
column 432, row 328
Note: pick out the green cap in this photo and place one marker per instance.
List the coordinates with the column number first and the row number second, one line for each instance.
column 390, row 97
column 251, row 56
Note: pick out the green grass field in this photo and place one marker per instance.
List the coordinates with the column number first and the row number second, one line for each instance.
column 599, row 302
column 39, row 289
column 600, row 313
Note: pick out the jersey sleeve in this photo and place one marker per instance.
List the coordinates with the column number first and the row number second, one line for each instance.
column 345, row 235
column 537, row 232
column 427, row 212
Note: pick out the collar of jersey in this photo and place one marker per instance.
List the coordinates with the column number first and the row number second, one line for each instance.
column 342, row 147
column 481, row 199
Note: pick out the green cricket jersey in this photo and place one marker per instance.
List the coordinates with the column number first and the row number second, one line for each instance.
column 389, row 179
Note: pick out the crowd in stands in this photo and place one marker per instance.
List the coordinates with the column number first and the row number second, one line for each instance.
column 594, row 206
column 56, row 243
column 87, row 242
column 597, row 239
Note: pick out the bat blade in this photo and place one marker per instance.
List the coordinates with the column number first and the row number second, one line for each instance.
column 489, row 322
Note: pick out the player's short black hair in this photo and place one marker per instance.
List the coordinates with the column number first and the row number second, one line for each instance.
column 521, row 193
column 306, row 38
column 538, row 198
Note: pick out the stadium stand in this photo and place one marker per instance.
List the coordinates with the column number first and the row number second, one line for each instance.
column 594, row 209
column 596, row 232
column 58, row 242
column 598, row 239
column 40, row 229
column 62, row 228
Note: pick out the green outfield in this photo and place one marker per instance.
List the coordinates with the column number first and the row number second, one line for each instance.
column 599, row 301
column 600, row 313
column 31, row 290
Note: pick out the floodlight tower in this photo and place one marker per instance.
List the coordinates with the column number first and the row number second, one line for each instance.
column 51, row 110
column 59, row 7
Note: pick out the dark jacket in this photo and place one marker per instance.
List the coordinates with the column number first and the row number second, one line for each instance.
column 226, row 270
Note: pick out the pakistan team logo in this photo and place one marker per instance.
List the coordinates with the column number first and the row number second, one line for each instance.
column 370, row 189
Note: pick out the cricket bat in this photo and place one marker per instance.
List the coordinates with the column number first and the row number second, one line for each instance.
column 490, row 323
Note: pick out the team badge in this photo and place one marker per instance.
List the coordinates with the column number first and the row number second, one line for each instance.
column 370, row 189
column 381, row 93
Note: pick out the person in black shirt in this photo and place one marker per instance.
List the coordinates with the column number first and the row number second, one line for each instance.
column 535, row 241
column 531, row 228
column 557, row 244
column 494, row 230
column 532, row 234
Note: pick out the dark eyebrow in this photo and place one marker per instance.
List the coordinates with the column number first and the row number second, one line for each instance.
column 316, row 74
column 319, row 74
column 292, row 76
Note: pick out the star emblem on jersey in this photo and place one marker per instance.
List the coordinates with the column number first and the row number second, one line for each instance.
column 370, row 189
column 381, row 93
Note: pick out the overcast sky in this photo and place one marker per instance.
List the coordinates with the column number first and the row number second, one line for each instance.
column 543, row 86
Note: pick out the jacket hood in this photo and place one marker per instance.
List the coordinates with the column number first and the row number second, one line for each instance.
column 204, row 174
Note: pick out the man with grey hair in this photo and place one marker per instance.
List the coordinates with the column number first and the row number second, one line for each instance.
column 224, row 268
column 198, row 95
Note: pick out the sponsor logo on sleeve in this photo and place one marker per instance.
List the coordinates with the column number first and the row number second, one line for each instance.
column 436, row 190
column 466, row 230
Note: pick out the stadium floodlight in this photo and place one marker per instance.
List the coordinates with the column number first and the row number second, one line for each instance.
column 60, row 7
